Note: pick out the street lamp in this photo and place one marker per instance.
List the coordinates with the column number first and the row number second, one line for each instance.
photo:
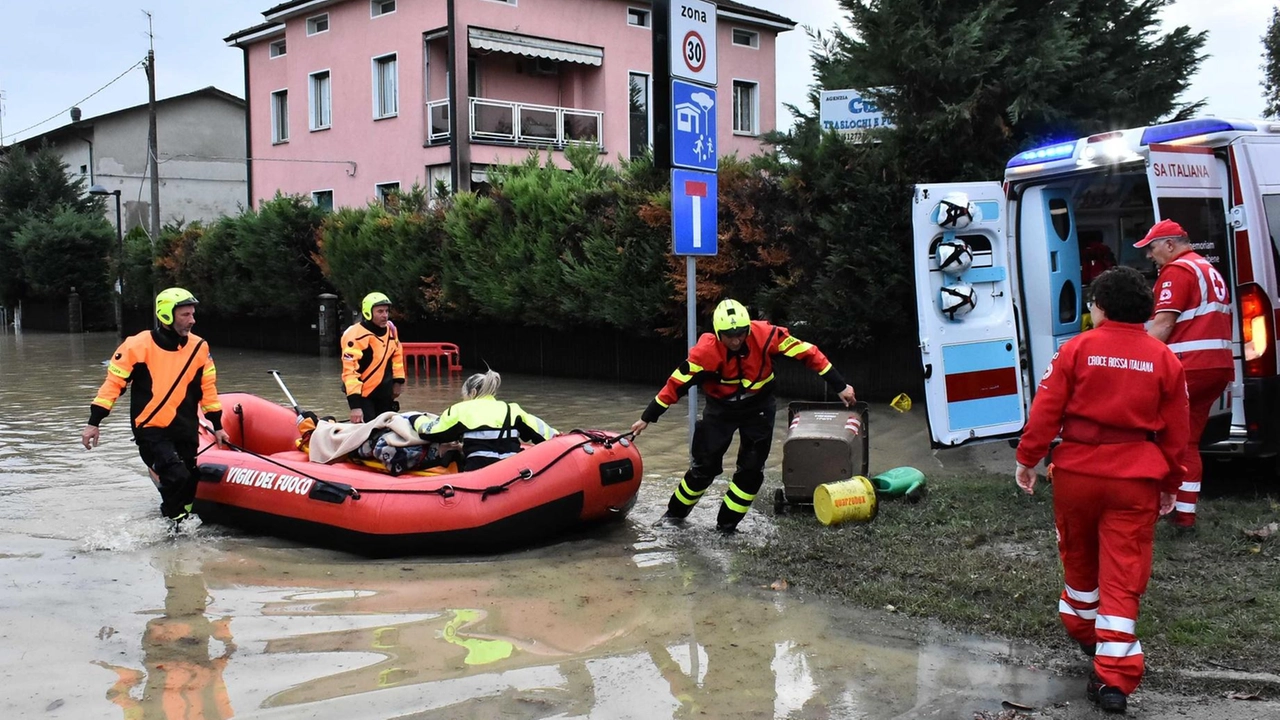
column 98, row 190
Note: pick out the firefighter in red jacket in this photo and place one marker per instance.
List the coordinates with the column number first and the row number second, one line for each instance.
column 734, row 367
column 1118, row 398
column 1193, row 316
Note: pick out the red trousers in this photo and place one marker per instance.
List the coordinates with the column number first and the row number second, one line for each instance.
column 1204, row 387
column 1106, row 527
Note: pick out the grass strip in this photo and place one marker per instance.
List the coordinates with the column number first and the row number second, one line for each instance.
column 979, row 556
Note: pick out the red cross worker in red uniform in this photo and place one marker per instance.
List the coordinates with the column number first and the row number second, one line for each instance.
column 1193, row 316
column 1118, row 399
column 734, row 367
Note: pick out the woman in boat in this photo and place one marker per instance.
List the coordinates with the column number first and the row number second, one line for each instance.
column 488, row 428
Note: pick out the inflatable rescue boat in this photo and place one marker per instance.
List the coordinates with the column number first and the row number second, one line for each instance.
column 265, row 484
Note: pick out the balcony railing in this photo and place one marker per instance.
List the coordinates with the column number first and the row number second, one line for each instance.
column 523, row 124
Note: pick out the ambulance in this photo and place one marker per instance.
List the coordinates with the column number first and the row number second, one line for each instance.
column 1002, row 270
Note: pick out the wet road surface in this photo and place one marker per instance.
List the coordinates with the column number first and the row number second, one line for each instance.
column 103, row 615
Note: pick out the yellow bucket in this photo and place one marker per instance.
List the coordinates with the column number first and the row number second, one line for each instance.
column 853, row 499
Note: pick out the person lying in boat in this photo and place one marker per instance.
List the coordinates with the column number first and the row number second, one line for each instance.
column 383, row 446
column 389, row 441
column 488, row 428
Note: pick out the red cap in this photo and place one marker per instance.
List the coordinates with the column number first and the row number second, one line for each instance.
column 1162, row 230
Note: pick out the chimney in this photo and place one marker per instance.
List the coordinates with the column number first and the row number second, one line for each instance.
column 75, row 114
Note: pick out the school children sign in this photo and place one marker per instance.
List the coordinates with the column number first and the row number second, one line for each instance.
column 849, row 113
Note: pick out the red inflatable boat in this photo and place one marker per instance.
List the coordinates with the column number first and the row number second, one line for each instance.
column 267, row 485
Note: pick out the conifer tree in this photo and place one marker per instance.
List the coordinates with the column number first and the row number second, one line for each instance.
column 1271, row 68
column 970, row 82
column 33, row 188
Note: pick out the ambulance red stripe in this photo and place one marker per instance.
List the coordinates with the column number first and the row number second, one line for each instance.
column 982, row 384
column 1244, row 259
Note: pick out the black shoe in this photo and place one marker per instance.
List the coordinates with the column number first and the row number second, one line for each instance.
column 669, row 519
column 727, row 528
column 175, row 520
column 1109, row 698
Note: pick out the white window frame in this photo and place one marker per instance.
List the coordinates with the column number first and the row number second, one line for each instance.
column 648, row 82
column 271, row 49
column 380, row 192
column 375, row 8
column 314, row 20
column 511, row 3
column 645, row 13
column 377, row 87
column 442, row 169
column 323, row 190
column 311, row 100
column 275, row 119
column 755, row 105
column 755, row 38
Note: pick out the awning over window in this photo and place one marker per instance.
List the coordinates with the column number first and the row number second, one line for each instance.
column 534, row 47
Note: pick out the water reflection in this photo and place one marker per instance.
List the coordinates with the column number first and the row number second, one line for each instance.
column 185, row 652
column 103, row 616
column 596, row 634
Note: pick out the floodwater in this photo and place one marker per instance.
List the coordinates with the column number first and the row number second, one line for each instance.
column 102, row 615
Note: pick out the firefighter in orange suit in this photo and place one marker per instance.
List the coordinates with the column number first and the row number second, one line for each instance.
column 171, row 374
column 372, row 361
column 734, row 367
column 1118, row 398
column 1193, row 316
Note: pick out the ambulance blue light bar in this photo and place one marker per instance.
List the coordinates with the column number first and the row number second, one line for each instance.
column 1045, row 154
column 1190, row 128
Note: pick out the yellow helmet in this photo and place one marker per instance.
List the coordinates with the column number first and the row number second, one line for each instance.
column 730, row 318
column 371, row 301
column 171, row 298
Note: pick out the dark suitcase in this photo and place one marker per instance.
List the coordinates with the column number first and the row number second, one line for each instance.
column 826, row 442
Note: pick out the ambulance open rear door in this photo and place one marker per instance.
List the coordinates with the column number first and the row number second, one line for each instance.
column 1188, row 186
column 964, row 302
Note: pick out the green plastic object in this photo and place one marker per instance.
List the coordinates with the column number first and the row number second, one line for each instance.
column 905, row 482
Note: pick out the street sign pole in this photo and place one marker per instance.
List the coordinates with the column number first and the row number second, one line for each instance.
column 691, row 332
column 661, row 84
column 685, row 142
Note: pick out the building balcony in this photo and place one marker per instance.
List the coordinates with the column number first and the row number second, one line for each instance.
column 499, row 122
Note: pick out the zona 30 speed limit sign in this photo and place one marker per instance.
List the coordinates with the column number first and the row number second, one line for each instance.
column 693, row 41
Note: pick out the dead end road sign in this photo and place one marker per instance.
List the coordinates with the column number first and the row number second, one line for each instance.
column 694, row 204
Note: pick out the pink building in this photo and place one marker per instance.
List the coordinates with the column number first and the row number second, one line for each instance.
column 347, row 98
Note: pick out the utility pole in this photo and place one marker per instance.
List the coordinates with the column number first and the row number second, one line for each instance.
column 1, row 118
column 153, row 164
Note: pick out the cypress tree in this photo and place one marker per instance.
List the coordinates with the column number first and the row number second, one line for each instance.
column 1271, row 68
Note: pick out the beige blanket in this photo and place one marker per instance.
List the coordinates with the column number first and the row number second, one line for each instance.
column 335, row 440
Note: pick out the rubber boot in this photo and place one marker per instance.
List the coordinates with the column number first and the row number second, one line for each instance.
column 905, row 482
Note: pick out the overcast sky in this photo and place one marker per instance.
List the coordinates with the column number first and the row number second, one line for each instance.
column 55, row 53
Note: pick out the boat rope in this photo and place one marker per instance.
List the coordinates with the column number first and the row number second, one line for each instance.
column 447, row 490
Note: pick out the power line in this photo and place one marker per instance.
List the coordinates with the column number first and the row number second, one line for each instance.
column 61, row 112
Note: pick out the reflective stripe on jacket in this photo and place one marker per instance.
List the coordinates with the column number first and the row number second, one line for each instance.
column 488, row 428
column 733, row 378
column 1201, row 337
column 370, row 360
column 168, row 385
